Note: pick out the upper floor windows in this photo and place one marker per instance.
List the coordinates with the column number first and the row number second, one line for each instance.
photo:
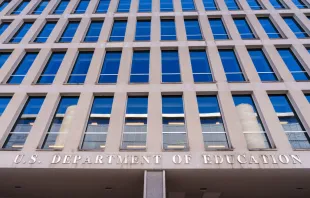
column 4, row 4
column 69, row 32
column 231, row 66
column 192, row 29
column 278, row 4
column 143, row 30
column 269, row 28
column 103, row 6
column 45, row 32
column 145, row 6
column 244, row 28
column 188, row 5
column 170, row 67
column 110, row 67
column 80, row 69
column 255, row 5
column 81, row 7
column 210, row 5
column 200, row 66
column 20, row 7
column 93, row 32
column 166, row 5
column 123, row 6
column 61, row 7
column 295, row 27
column 140, row 67
column 4, row 26
column 300, row 4
column 167, row 29
column 3, row 57
column 40, row 8
column 4, row 101
column 218, row 29
column 19, row 35
column 118, row 31
column 232, row 5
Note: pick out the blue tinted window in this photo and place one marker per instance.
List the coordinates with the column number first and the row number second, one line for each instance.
column 82, row 7
column 295, row 27
column 118, row 31
column 300, row 4
column 110, row 67
column 3, row 5
column 192, row 29
column 231, row 66
column 103, row 6
column 244, row 28
column 137, row 105
column 277, row 4
column 102, row 105
column 80, row 68
column 172, row 105
column 42, row 5
column 4, row 26
column 218, row 29
column 61, row 7
column 45, row 32
column 3, row 57
column 208, row 104
column 143, row 31
column 140, row 67
column 293, row 65
column 51, row 68
column 4, row 101
column 20, row 7
column 19, row 35
column 123, row 6
column 307, row 97
column 188, row 5
column 200, row 66
column 145, row 6
column 210, row 5
column 269, row 28
column 232, row 5
column 69, row 32
column 308, row 50
column 168, row 31
column 254, row 4
column 262, row 65
column 93, row 32
column 166, row 5
column 66, row 102
column 22, row 69
column 290, row 122
column 170, row 66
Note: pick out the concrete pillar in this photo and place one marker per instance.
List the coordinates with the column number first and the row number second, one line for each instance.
column 154, row 184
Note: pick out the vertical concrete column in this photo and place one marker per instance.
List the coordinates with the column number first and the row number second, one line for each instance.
column 222, row 5
column 156, row 6
column 216, row 64
column 95, row 66
column 177, row 5
column 106, row 29
column 290, row 4
column 185, row 65
column 11, row 30
column 70, row 8
column 154, row 184
column 130, row 29
column 155, row 28
column 180, row 28
column 256, row 27
column 302, row 55
column 231, row 27
column 154, row 131
column 244, row 5
column 11, row 64
column 49, row 8
column 33, row 31
column 82, row 30
column 155, row 65
column 58, row 30
column 134, row 6
column 31, row 5
column 9, row 7
column 303, row 21
column 268, row 5
column 199, row 6
column 116, row 122
column 286, row 30
column 91, row 7
column 113, row 6
column 125, row 66
column 206, row 30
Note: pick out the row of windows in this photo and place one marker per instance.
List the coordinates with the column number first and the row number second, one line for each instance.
column 174, row 129
column 167, row 28
column 170, row 66
column 146, row 6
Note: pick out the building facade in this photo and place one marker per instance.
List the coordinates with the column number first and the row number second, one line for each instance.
column 154, row 98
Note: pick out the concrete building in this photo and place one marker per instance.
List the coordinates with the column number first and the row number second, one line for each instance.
column 154, row 98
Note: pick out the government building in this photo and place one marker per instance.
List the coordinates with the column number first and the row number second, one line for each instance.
column 154, row 98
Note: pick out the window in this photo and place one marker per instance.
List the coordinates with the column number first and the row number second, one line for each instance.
column 19, row 133
column 231, row 66
column 255, row 5
column 4, row 26
column 232, row 5
column 145, row 6
column 45, row 32
column 3, row 57
column 20, row 7
column 200, row 66
column 295, row 27
column 96, row 132
column 192, row 29
column 168, row 31
column 140, row 67
column 51, row 68
column 69, row 32
column 103, row 6
column 293, row 128
column 188, row 5
column 213, row 129
column 22, row 69
column 210, row 5
column 300, row 4
column 118, row 31
column 61, row 7
column 244, row 28
column 4, row 101
column 40, row 8
column 93, row 32
column 82, row 7
column 109, row 71
column 253, row 129
column 308, row 50
column 61, row 123
column 166, row 5
column 293, row 65
column 269, row 28
column 123, row 6
column 135, row 128
column 4, row 4
column 19, row 35
column 262, row 65
column 80, row 69
column 174, row 126
column 218, row 29
column 143, row 30
column 170, row 67
column 307, row 97
column 278, row 4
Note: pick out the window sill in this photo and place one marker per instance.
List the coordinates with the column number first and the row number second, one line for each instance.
column 49, row 150
column 301, row 149
column 9, row 149
column 206, row 82
column 239, row 81
column 73, row 83
column 175, row 150
column 171, row 82
column 270, row 149
column 224, row 149
column 91, row 150
column 128, row 150
column 105, row 83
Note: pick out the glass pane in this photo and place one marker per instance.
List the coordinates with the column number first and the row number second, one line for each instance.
column 82, row 7
column 61, row 7
column 200, row 66
column 192, row 29
column 69, row 32
column 140, row 67
column 143, row 31
column 168, row 31
column 45, row 32
column 218, row 29
column 80, row 68
column 269, row 28
column 231, row 66
column 118, row 31
column 244, row 29
column 110, row 67
column 170, row 66
column 19, row 35
column 103, row 6
column 93, row 32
